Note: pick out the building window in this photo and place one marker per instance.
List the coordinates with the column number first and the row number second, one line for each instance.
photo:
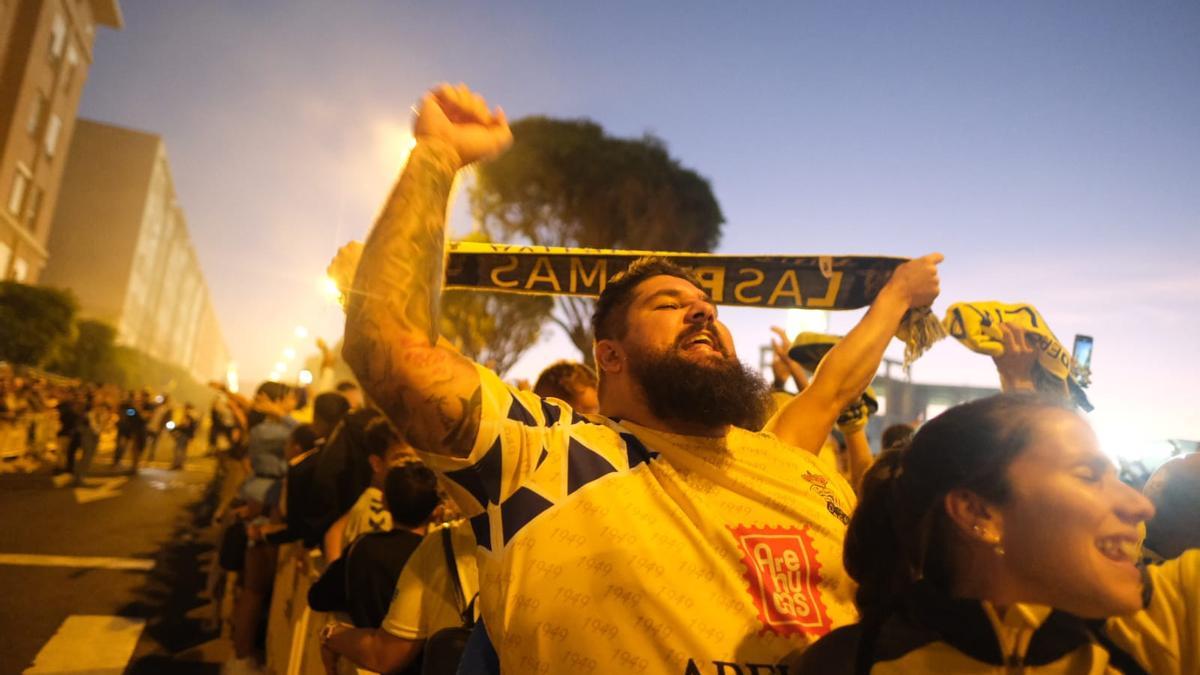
column 36, row 112
column 58, row 37
column 20, row 269
column 33, row 207
column 68, row 76
column 53, row 126
column 5, row 258
column 21, row 181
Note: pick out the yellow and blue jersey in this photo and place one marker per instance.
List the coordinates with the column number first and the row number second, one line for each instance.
column 605, row 546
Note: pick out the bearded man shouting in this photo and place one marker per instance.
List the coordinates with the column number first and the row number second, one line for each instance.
column 666, row 534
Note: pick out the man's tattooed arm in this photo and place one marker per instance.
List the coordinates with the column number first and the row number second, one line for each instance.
column 432, row 393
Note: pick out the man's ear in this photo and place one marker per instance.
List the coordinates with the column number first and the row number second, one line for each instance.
column 610, row 357
column 975, row 518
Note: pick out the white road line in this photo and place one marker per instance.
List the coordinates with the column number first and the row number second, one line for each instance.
column 95, row 562
column 89, row 644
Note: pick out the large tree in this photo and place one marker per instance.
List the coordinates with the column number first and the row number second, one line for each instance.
column 35, row 322
column 568, row 183
column 494, row 329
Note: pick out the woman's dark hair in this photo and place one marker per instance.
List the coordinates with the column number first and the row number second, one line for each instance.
column 304, row 437
column 411, row 492
column 900, row 532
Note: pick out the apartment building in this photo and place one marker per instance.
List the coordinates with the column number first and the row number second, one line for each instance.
column 45, row 54
column 120, row 241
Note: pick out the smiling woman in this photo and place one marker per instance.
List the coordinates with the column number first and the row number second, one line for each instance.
column 1002, row 533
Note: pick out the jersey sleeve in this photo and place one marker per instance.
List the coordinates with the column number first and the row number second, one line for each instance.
column 1166, row 635
column 517, row 431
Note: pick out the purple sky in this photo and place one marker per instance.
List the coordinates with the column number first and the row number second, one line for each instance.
column 1051, row 151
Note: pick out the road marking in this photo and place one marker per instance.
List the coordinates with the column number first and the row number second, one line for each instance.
column 108, row 487
column 89, row 644
column 94, row 562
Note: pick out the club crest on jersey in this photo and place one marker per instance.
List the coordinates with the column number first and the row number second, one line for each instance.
column 783, row 575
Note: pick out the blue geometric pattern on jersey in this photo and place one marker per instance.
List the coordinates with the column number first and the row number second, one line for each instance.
column 483, row 530
column 482, row 479
column 637, row 452
column 584, row 466
column 551, row 411
column 518, row 510
column 519, row 413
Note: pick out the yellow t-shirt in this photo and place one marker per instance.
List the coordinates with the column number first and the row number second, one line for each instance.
column 608, row 547
column 424, row 601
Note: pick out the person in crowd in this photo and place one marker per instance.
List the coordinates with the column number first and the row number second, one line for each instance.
column 222, row 426
column 1174, row 489
column 270, row 425
column 573, row 383
column 352, row 393
column 183, row 430
column 134, row 414
column 231, row 437
column 70, row 416
column 1001, row 538
column 361, row 582
column 665, row 534
column 896, row 436
column 99, row 420
column 846, row 450
column 328, row 410
column 124, row 428
column 424, row 602
column 385, row 449
column 163, row 408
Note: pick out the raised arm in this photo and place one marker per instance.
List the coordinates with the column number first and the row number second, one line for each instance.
column 391, row 341
column 851, row 364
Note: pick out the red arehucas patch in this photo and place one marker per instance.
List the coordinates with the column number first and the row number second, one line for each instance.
column 784, row 574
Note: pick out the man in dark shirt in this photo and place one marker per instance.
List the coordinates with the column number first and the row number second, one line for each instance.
column 362, row 581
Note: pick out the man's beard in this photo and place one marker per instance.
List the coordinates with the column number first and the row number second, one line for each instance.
column 722, row 391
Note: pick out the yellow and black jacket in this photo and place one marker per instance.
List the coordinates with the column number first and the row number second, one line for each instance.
column 928, row 632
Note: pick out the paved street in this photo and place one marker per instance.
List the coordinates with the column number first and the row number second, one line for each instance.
column 107, row 576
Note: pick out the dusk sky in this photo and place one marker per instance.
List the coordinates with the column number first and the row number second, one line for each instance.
column 1050, row 150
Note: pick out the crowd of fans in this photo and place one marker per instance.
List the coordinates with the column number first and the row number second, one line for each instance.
column 62, row 423
column 670, row 512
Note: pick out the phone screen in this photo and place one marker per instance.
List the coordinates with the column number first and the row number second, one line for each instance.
column 1082, row 354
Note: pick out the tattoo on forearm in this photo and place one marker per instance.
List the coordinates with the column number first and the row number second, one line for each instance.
column 392, row 313
column 400, row 274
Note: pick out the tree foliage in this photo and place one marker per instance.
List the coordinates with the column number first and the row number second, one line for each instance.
column 494, row 329
column 35, row 321
column 92, row 356
column 568, row 183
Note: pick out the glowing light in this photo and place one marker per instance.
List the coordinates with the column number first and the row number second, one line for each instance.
column 394, row 142
column 306, row 377
column 806, row 321
column 330, row 290
column 170, row 425
column 280, row 367
column 231, row 377
column 289, row 353
column 301, row 332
